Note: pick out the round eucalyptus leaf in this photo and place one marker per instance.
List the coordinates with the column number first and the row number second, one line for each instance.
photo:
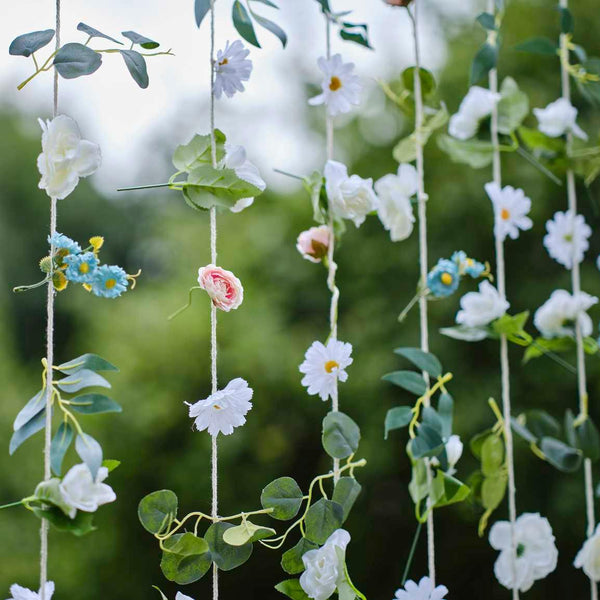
column 341, row 435
column 284, row 496
column 225, row 556
column 157, row 510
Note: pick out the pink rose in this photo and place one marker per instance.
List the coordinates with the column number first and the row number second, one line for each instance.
column 223, row 287
column 314, row 243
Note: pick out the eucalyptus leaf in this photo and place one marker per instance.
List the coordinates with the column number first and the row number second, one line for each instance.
column 513, row 106
column 408, row 380
column 566, row 20
column 157, row 510
column 284, row 496
column 522, row 431
column 198, row 151
column 539, row 45
column 141, row 40
column 446, row 413
column 191, row 563
column 226, row 557
column 487, row 21
column 475, row 153
column 423, row 360
column 243, row 23
column 561, row 456
column 322, row 519
column 246, row 532
column 345, row 493
column 355, row 33
column 466, row 334
column 28, row 43
column 427, row 80
column 136, row 65
column 60, row 444
column 447, row 490
column 90, row 452
column 397, row 417
column 79, row 526
column 588, row 440
column 80, row 380
column 30, row 428
column 95, row 33
column 201, row 9
column 291, row 561
column 32, row 408
column 484, row 61
column 75, row 60
column 428, row 442
column 88, row 404
column 341, row 435
column 91, row 362
column 541, row 424
column 292, row 589
column 272, row 27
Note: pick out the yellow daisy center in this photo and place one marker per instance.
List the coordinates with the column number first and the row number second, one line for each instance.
column 469, row 262
column 224, row 62
column 505, row 214
column 217, row 407
column 110, row 284
column 330, row 365
column 446, row 278
column 335, row 84
column 84, row 268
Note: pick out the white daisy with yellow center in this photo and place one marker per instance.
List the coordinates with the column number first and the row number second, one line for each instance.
column 511, row 207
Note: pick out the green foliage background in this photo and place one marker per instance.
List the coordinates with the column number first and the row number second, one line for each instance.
column 164, row 364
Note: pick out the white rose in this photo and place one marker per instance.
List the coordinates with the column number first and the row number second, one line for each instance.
column 559, row 118
column 324, row 570
column 394, row 207
column 476, row 105
column 235, row 158
column 81, row 492
column 462, row 127
column 482, row 307
column 558, row 315
column 65, row 157
column 351, row 197
column 588, row 558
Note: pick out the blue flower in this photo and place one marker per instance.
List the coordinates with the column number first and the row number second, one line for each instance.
column 81, row 267
column 444, row 278
column 64, row 245
column 468, row 266
column 109, row 281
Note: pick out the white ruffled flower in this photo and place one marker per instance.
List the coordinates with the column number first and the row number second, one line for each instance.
column 454, row 450
column 231, row 68
column 476, row 105
column 511, row 207
column 223, row 410
column 479, row 309
column 323, row 568
column 558, row 316
column 559, row 118
column 351, row 197
column 424, row 590
column 536, row 552
column 588, row 558
column 20, row 593
column 341, row 88
column 324, row 366
column 65, row 157
column 81, row 492
column 394, row 207
column 567, row 238
column 235, row 158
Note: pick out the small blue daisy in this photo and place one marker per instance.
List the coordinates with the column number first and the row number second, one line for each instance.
column 109, row 281
column 81, row 267
column 443, row 279
column 64, row 245
column 468, row 266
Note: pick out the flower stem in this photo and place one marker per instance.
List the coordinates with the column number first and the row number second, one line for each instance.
column 411, row 554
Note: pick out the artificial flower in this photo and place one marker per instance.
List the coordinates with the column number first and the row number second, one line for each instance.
column 60, row 281
column 398, row 2
column 324, row 366
column 180, row 596
column 324, row 568
column 235, row 158
column 351, row 197
column 394, row 207
column 224, row 410
column 313, row 244
column 81, row 492
column 536, row 552
column 567, row 238
column 454, row 450
column 479, row 309
column 20, row 593
column 559, row 118
column 468, row 266
column 63, row 246
column 511, row 207
column 109, row 281
column 443, row 279
column 424, row 590
column 341, row 87
column 476, row 105
column 65, row 157
column 231, row 68
column 588, row 558
column 558, row 316
column 81, row 267
column 223, row 287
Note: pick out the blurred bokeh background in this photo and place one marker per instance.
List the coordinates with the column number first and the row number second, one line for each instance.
column 285, row 308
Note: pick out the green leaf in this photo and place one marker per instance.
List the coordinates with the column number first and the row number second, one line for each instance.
column 90, row 452
column 483, row 62
column 243, row 23
column 341, row 435
column 136, row 65
column 322, row 519
column 88, row 404
column 186, row 558
column 418, row 486
column 513, row 107
column 80, row 380
column 157, row 510
column 510, row 324
column 536, row 140
column 355, row 33
column 141, row 40
column 91, row 362
column 588, row 440
column 570, row 428
column 292, row 589
column 493, row 490
column 60, row 444
column 48, row 492
column 272, row 27
column 226, row 557
column 541, row 346
column 32, row 408
column 446, row 411
column 427, row 443
column 397, row 417
column 559, row 455
column 475, row 153
column 427, row 80
column 26, row 431
column 111, row 464
column 492, row 455
column 541, row 424
column 28, row 43
column 487, row 21
column 522, row 431
column 408, row 380
column 406, row 149
column 284, row 496
column 423, row 360
column 75, row 60
column 291, row 561
column 538, row 45
column 201, row 8
column 566, row 20
column 345, row 494
column 476, row 442
column 79, row 526
column 246, row 532
column 447, row 490
column 95, row 33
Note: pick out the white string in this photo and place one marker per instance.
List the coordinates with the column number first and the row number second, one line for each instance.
column 504, row 362
column 576, row 286
column 49, row 346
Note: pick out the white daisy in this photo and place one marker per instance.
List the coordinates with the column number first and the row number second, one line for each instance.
column 424, row 590
column 511, row 207
column 231, row 68
column 223, row 410
column 394, row 208
column 481, row 308
column 341, row 88
column 324, row 367
column 558, row 316
column 20, row 593
column 235, row 158
column 559, row 118
column 476, row 105
column 567, row 238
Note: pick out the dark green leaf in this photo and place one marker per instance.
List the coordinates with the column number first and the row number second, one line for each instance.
column 291, row 561
column 95, row 33
column 186, row 558
column 60, row 444
column 355, row 34
column 430, row 417
column 201, row 8
column 476, row 442
column 80, row 380
column 427, row 443
column 80, row 525
column 141, row 40
column 136, row 65
column 91, row 362
column 427, row 88
column 49, row 493
column 226, row 557
column 484, row 61
column 588, row 440
column 322, row 519
column 559, row 455
column 447, row 490
column 539, row 45
column 341, row 435
column 541, row 424
column 292, row 589
column 284, row 496
column 446, row 411
column 487, row 21
column 566, row 20
column 90, row 452
column 423, row 360
column 345, row 494
column 492, row 455
column 243, row 23
column 570, row 428
column 476, row 154
column 32, row 408
column 28, row 43
column 397, row 417
column 272, row 27
column 157, row 510
column 510, row 324
column 408, row 380
column 89, row 404
column 522, row 431
column 26, row 431
column 75, row 60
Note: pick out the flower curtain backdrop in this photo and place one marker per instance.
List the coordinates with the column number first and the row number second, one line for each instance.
column 223, row 452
